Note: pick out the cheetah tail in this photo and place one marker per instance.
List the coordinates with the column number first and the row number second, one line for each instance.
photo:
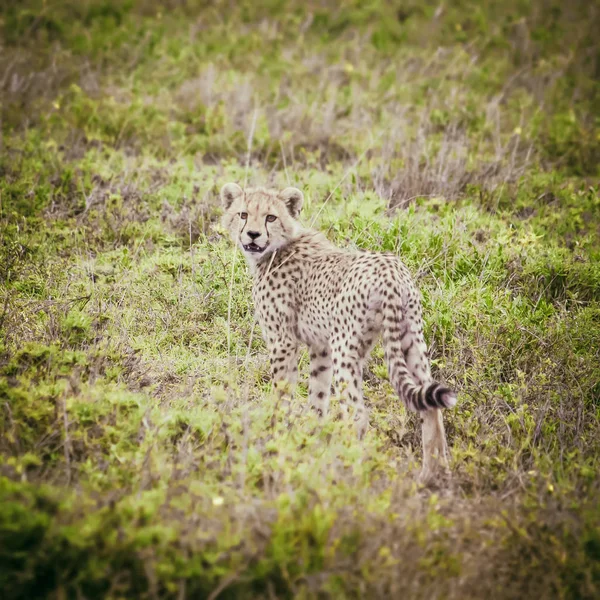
column 416, row 397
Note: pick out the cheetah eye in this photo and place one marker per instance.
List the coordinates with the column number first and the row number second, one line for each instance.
column 243, row 216
column 271, row 218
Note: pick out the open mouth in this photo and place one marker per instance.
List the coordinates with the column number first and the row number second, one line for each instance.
column 252, row 247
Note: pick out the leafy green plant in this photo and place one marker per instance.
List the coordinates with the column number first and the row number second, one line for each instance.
column 142, row 451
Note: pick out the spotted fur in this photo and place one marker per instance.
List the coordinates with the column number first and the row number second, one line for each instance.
column 337, row 302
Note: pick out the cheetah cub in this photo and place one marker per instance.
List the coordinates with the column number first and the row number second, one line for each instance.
column 337, row 302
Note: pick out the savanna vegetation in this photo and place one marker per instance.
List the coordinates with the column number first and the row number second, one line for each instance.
column 142, row 452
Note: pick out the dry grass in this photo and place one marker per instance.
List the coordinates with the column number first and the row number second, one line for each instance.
column 142, row 453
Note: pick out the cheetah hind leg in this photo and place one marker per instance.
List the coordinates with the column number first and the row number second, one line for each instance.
column 319, row 384
column 364, row 347
column 347, row 376
column 435, row 451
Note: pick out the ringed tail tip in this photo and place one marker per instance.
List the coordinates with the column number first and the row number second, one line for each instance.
column 449, row 398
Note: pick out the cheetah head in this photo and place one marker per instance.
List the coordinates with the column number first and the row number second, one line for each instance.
column 261, row 220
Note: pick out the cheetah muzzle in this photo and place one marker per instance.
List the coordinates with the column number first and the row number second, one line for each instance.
column 338, row 303
column 254, row 248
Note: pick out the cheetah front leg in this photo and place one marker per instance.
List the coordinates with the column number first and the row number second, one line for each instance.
column 319, row 384
column 283, row 352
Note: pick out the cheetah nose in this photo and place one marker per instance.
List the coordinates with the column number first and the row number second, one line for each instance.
column 253, row 234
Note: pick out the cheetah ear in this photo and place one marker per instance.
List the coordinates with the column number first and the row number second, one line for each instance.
column 293, row 199
column 229, row 192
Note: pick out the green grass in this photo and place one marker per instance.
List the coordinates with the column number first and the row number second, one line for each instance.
column 144, row 456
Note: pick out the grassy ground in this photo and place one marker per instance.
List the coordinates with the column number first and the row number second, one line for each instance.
column 141, row 452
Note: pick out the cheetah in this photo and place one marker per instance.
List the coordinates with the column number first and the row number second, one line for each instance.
column 337, row 302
